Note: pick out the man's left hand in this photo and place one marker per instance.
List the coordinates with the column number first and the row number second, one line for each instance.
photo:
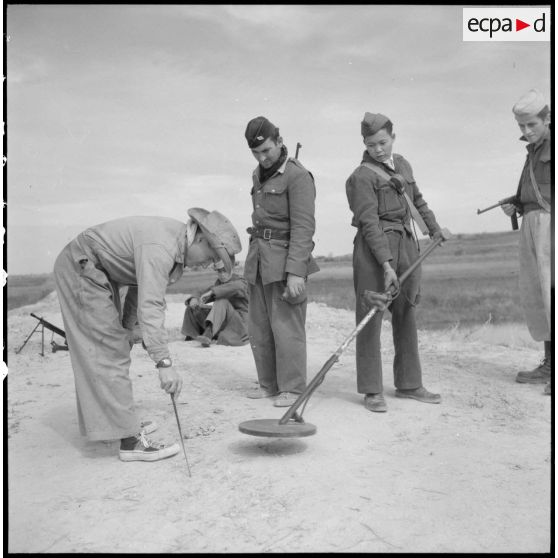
column 295, row 286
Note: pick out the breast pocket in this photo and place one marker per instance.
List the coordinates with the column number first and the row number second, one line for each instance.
column 542, row 174
column 276, row 200
column 388, row 200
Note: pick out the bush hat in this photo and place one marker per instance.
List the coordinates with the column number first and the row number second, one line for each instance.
column 220, row 233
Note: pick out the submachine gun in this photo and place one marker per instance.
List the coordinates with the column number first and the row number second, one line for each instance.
column 511, row 199
column 42, row 324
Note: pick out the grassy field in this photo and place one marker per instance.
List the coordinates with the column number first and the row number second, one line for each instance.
column 471, row 279
column 28, row 289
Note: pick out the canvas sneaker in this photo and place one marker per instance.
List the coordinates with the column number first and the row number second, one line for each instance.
column 148, row 426
column 146, row 450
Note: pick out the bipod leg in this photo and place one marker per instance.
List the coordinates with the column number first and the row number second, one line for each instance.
column 43, row 340
column 28, row 337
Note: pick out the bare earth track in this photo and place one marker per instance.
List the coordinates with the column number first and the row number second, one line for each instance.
column 469, row 475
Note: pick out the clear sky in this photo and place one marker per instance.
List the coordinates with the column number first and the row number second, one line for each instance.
column 141, row 110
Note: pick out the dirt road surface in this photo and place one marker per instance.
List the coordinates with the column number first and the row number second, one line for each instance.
column 469, row 475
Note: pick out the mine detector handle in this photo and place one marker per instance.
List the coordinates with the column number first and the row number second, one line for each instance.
column 298, row 146
column 48, row 325
column 513, row 217
column 318, row 378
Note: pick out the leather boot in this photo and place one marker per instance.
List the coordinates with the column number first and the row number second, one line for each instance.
column 540, row 374
column 375, row 402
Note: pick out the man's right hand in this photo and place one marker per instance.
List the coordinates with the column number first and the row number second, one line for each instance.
column 193, row 302
column 390, row 278
column 508, row 208
column 171, row 381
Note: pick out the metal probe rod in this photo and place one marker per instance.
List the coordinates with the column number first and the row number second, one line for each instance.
column 180, row 433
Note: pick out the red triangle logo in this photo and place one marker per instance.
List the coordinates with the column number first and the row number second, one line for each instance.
column 519, row 25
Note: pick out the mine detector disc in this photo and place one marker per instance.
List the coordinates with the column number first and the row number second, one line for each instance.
column 272, row 428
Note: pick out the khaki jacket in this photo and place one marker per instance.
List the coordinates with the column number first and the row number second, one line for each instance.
column 284, row 202
column 147, row 252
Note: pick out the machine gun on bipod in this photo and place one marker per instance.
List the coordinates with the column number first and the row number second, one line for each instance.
column 45, row 324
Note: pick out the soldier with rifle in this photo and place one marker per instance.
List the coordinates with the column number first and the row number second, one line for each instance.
column 144, row 252
column 533, row 203
column 278, row 262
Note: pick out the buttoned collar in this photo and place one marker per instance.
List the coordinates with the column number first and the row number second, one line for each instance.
column 281, row 169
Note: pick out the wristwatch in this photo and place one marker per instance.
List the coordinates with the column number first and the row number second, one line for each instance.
column 164, row 363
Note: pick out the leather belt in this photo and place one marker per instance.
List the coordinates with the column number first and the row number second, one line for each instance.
column 268, row 234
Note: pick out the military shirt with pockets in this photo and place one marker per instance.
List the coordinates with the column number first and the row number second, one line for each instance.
column 285, row 202
column 378, row 207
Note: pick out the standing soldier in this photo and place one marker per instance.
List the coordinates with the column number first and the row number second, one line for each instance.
column 278, row 263
column 533, row 201
column 383, row 196
column 144, row 252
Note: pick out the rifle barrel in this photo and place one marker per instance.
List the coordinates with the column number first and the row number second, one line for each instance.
column 479, row 211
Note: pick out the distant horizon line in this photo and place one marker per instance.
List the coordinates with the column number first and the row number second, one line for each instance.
column 317, row 257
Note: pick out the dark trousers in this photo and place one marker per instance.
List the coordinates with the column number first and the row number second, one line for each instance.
column 278, row 337
column 368, row 274
column 227, row 324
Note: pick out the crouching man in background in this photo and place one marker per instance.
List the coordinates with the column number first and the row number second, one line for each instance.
column 223, row 321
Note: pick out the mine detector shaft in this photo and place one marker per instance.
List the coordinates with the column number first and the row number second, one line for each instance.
column 291, row 423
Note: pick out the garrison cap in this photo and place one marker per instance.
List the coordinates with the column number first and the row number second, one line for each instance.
column 530, row 104
column 258, row 130
column 372, row 123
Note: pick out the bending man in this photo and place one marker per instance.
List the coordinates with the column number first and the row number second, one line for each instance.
column 150, row 253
